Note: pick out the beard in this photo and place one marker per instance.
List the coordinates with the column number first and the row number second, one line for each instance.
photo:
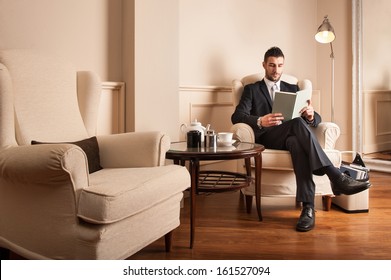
column 274, row 77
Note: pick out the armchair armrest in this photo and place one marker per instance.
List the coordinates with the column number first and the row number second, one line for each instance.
column 133, row 149
column 326, row 132
column 243, row 132
column 50, row 164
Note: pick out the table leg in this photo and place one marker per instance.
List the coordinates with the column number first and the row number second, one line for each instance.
column 194, row 172
column 247, row 164
column 258, row 174
column 179, row 162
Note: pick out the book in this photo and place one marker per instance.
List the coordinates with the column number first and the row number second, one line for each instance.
column 290, row 103
column 355, row 171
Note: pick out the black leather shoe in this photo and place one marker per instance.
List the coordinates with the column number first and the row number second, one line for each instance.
column 347, row 185
column 307, row 219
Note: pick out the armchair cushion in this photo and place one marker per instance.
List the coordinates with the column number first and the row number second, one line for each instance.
column 89, row 146
column 117, row 193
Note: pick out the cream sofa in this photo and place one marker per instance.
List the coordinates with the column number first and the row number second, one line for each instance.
column 106, row 197
column 278, row 178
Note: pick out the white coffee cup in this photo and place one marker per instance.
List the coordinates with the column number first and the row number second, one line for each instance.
column 225, row 137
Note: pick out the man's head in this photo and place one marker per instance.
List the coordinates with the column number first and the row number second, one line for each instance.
column 273, row 63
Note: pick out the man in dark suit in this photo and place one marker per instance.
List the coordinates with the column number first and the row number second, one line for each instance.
column 295, row 136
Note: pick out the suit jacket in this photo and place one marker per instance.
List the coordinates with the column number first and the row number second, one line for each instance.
column 256, row 102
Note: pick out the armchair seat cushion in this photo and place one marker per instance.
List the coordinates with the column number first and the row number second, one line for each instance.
column 276, row 159
column 115, row 194
column 281, row 160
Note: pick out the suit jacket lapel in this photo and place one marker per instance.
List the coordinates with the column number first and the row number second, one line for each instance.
column 283, row 87
column 266, row 93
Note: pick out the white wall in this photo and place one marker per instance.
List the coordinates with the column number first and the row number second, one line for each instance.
column 225, row 39
column 339, row 14
column 122, row 40
column 157, row 46
column 376, row 76
column 156, row 66
column 222, row 40
column 376, row 45
column 79, row 30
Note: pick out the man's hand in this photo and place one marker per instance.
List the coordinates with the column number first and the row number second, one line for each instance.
column 272, row 119
column 308, row 112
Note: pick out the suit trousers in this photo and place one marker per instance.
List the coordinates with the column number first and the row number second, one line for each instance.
column 307, row 155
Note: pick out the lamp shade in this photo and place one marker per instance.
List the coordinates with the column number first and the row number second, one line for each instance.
column 325, row 33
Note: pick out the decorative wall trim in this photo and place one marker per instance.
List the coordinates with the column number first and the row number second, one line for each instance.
column 357, row 85
column 112, row 108
column 208, row 104
column 382, row 127
column 205, row 88
column 376, row 124
column 214, row 105
column 120, row 86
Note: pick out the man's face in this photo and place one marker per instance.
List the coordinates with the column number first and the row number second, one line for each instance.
column 273, row 68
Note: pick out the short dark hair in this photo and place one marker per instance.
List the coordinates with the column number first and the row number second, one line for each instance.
column 274, row 52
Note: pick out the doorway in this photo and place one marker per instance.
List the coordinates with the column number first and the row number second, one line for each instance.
column 371, row 83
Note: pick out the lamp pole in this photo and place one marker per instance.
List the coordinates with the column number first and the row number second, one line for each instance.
column 325, row 34
column 332, row 81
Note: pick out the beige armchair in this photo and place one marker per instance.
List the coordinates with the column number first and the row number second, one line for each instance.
column 278, row 178
column 93, row 197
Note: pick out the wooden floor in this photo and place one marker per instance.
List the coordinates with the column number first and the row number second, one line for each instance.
column 225, row 231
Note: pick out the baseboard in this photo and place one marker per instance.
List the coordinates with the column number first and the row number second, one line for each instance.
column 378, row 164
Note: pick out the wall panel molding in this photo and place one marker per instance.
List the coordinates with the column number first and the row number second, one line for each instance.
column 214, row 105
column 205, row 88
column 111, row 118
column 207, row 104
column 376, row 120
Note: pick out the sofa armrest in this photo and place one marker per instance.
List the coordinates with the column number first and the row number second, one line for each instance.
column 327, row 134
column 49, row 164
column 243, row 132
column 133, row 149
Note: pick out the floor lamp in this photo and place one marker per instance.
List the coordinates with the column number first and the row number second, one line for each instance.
column 324, row 35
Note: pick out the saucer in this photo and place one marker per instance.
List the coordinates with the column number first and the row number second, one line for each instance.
column 225, row 144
